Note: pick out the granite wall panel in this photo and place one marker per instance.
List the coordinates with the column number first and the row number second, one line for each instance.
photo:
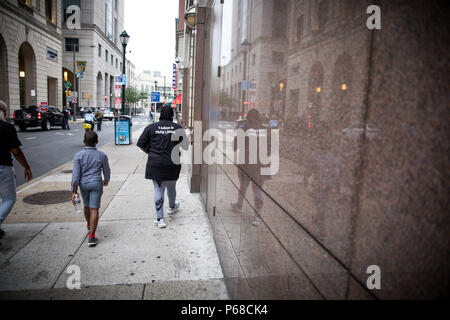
column 362, row 117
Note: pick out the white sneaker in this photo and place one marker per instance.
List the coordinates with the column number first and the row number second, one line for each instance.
column 256, row 222
column 174, row 209
column 160, row 224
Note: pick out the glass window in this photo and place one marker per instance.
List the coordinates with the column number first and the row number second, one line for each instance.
column 106, row 55
column 99, row 50
column 49, row 10
column 72, row 44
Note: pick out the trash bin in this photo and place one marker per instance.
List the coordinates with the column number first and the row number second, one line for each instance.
column 122, row 130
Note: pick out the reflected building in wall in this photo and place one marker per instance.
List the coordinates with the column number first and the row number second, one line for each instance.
column 255, row 59
column 361, row 116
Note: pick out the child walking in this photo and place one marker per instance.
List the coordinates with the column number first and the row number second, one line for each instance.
column 88, row 166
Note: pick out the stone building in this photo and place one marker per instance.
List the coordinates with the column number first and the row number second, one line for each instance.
column 362, row 120
column 30, row 52
column 98, row 44
column 154, row 81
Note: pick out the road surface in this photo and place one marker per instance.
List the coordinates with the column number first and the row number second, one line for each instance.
column 47, row 150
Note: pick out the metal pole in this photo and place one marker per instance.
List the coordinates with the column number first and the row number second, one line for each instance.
column 123, row 73
column 74, row 105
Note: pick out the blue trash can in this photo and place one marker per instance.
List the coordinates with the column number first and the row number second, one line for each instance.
column 124, row 137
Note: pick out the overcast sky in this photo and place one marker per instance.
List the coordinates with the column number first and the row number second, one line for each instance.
column 151, row 26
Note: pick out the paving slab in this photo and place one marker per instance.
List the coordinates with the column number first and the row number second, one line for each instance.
column 214, row 289
column 135, row 251
column 121, row 292
column 16, row 237
column 39, row 264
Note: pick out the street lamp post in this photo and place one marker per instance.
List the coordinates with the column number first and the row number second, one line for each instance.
column 124, row 38
column 156, row 88
column 75, row 79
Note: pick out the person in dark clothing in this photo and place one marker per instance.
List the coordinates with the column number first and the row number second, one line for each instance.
column 9, row 144
column 66, row 114
column 159, row 141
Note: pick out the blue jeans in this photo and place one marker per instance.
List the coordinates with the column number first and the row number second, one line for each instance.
column 99, row 124
column 7, row 191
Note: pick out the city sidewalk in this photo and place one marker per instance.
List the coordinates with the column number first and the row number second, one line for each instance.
column 133, row 259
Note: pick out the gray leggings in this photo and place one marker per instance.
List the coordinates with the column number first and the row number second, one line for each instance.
column 159, row 196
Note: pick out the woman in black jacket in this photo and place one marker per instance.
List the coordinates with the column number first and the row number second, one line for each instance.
column 157, row 141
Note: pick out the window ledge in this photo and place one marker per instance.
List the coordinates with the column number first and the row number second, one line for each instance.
column 26, row 8
column 51, row 25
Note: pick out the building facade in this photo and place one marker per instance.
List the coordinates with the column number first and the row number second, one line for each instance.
column 361, row 117
column 97, row 44
column 154, row 81
column 30, row 53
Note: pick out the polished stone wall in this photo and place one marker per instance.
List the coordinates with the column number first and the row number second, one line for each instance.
column 364, row 138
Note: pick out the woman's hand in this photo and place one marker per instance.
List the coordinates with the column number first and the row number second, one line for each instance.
column 105, row 183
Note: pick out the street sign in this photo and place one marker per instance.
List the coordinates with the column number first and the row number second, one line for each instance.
column 121, row 80
column 174, row 78
column 118, row 91
column 156, row 96
column 118, row 103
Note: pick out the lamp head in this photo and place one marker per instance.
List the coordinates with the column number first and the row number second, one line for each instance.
column 124, row 38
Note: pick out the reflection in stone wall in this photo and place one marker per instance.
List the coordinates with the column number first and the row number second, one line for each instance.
column 364, row 172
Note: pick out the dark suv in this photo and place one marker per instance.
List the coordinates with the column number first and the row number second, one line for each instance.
column 34, row 116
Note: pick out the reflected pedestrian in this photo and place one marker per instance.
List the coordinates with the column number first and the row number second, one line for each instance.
column 251, row 173
column 156, row 141
column 88, row 166
column 9, row 144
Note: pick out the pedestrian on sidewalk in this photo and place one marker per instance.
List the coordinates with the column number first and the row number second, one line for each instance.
column 66, row 114
column 99, row 118
column 9, row 143
column 88, row 166
column 158, row 141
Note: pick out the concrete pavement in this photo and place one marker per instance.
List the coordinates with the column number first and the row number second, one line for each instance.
column 133, row 259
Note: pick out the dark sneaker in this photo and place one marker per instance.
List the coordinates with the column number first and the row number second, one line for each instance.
column 2, row 233
column 92, row 242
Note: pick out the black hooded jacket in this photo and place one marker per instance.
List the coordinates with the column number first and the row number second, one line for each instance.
column 156, row 141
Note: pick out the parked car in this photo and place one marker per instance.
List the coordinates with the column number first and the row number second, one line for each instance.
column 34, row 116
column 107, row 114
